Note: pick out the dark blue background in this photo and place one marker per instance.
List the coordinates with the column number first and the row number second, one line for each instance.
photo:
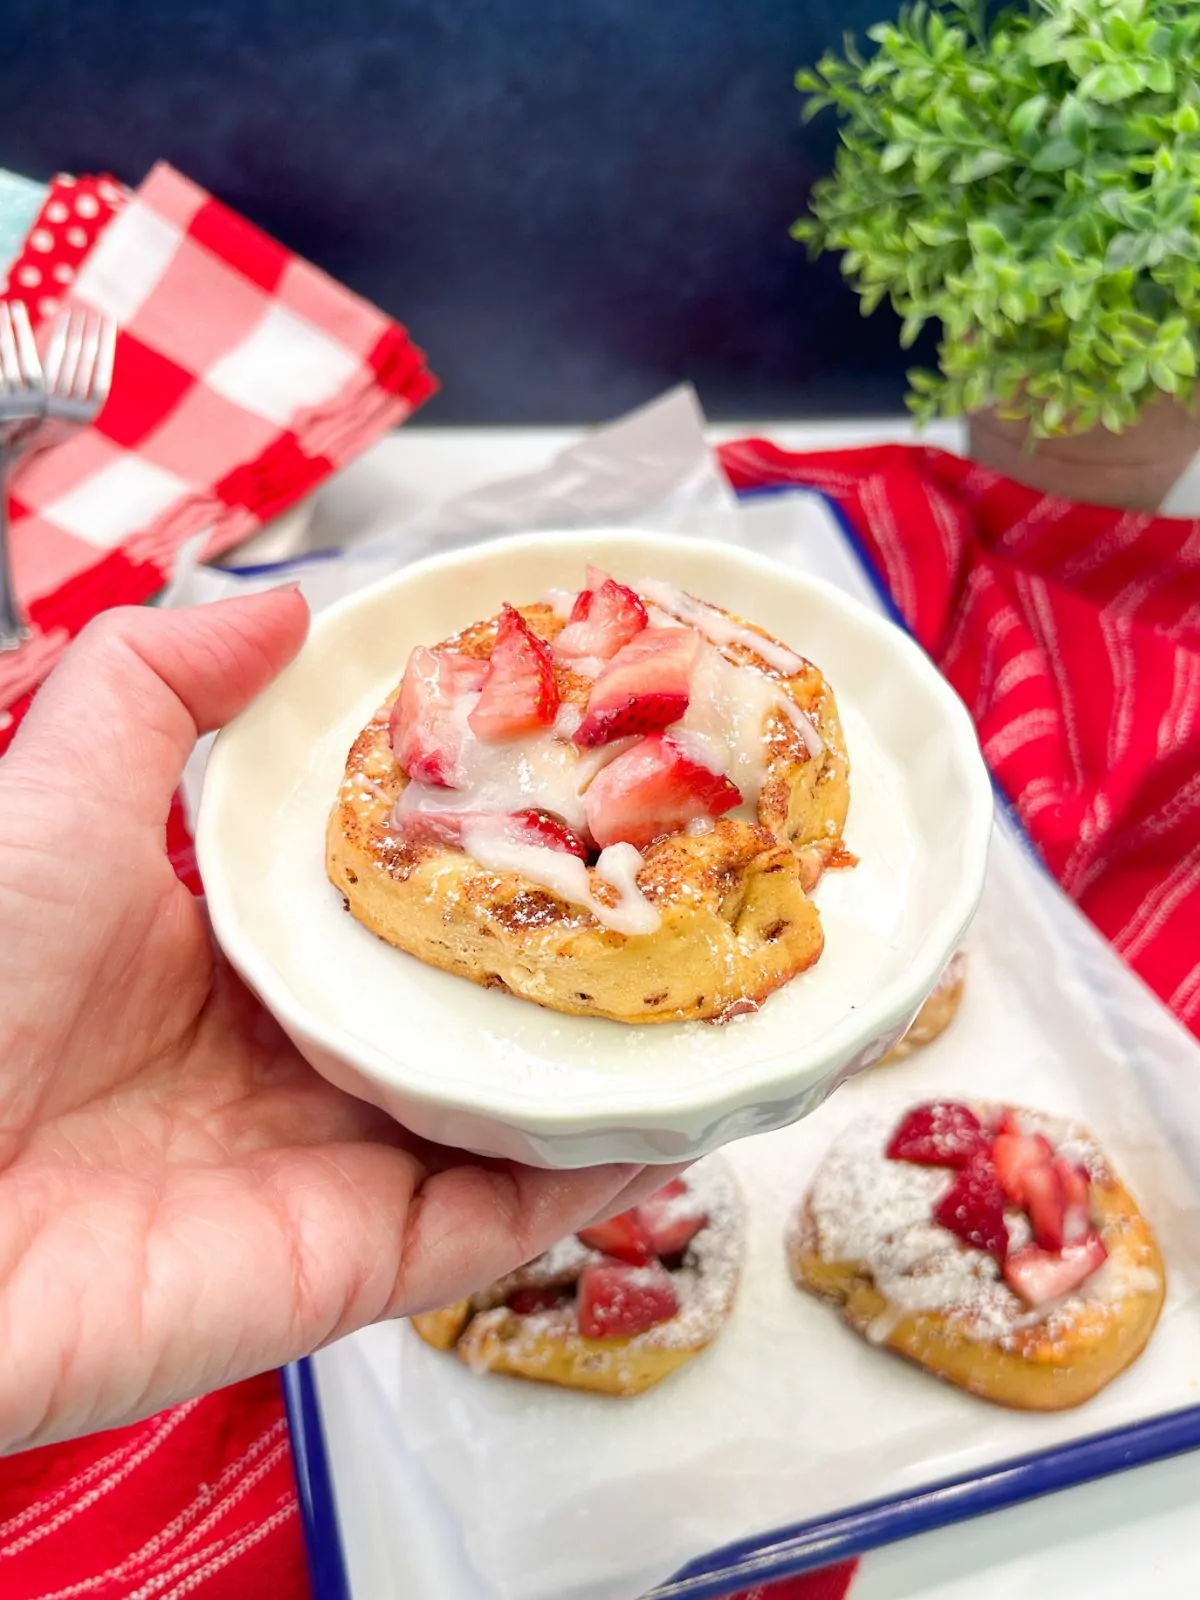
column 571, row 203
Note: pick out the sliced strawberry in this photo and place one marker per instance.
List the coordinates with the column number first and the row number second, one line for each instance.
column 1046, row 1203
column 1077, row 1182
column 616, row 1300
column 528, row 1302
column 1077, row 1213
column 519, row 692
column 1016, row 1155
column 644, row 688
column 671, row 1218
column 429, row 827
column 651, row 790
column 552, row 833
column 425, row 734
column 461, row 675
column 523, row 827
column 1040, row 1276
column 973, row 1208
column 942, row 1133
column 624, row 1237
column 604, row 618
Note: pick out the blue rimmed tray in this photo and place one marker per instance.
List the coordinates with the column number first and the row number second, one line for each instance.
column 803, row 1546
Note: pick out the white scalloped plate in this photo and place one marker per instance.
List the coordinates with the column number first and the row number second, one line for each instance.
column 486, row 1072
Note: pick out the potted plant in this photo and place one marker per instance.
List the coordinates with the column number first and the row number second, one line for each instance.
column 1030, row 180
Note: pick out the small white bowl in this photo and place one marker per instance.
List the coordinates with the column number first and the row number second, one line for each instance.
column 486, row 1072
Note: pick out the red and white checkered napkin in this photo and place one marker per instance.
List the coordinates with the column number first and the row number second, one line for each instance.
column 244, row 377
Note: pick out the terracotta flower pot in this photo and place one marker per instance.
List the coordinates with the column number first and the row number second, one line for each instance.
column 1136, row 468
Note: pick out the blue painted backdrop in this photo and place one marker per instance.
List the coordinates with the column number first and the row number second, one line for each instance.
column 572, row 203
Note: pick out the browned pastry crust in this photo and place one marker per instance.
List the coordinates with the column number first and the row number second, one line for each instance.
column 735, row 918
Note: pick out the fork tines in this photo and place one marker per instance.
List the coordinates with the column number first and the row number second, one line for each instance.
column 79, row 361
column 20, row 366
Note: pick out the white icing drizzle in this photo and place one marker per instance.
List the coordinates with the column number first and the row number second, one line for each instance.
column 813, row 742
column 724, row 726
column 717, row 628
column 567, row 877
column 724, row 729
column 699, row 747
column 561, row 602
column 545, row 771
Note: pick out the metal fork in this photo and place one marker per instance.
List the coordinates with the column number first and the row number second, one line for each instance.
column 38, row 407
column 79, row 369
column 22, row 407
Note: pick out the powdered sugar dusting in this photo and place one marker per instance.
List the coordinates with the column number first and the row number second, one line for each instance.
column 705, row 1282
column 878, row 1213
column 561, row 1264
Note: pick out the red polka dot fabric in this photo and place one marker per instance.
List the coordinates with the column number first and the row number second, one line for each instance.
column 75, row 213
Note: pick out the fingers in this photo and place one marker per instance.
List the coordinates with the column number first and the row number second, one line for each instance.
column 647, row 1182
column 471, row 1224
column 120, row 714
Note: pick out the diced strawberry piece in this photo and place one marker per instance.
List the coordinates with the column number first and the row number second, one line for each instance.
column 425, row 735
column 519, row 693
column 1077, row 1214
column 1046, row 1203
column 1016, row 1155
column 523, row 827
column 528, row 1302
column 552, row 833
column 461, row 674
column 942, row 1133
column 616, row 1301
column 1014, row 1121
column 1077, row 1182
column 624, row 1237
column 973, row 1208
column 429, row 827
column 671, row 1218
column 603, row 619
column 1040, row 1276
column 644, row 688
column 651, row 790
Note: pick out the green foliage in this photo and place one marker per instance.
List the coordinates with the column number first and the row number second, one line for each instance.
column 1031, row 180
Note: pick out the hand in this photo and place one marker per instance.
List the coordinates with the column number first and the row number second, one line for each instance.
column 183, row 1201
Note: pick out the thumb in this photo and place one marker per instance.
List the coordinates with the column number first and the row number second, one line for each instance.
column 119, row 715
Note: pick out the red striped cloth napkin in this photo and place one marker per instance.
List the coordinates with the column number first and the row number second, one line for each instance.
column 1073, row 635
column 244, row 378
